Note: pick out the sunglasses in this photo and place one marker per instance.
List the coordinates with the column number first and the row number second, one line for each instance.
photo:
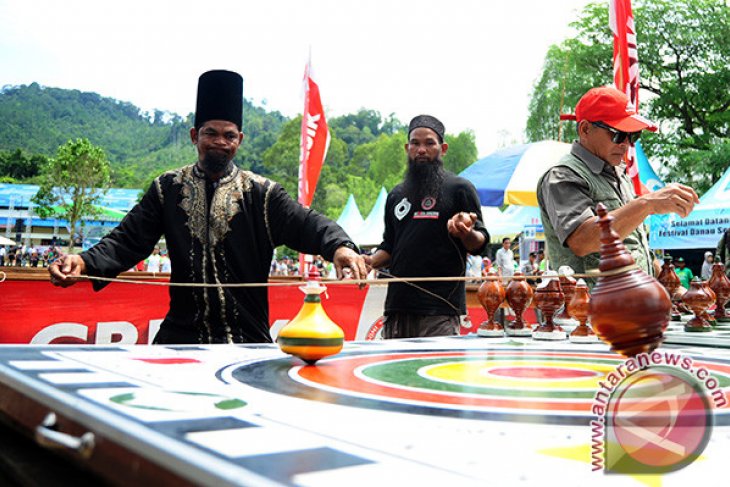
column 618, row 136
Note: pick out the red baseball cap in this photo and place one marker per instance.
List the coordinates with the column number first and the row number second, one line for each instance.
column 612, row 107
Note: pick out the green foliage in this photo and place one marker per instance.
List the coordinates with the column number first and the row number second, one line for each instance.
column 366, row 150
column 18, row 165
column 570, row 69
column 684, row 70
column 462, row 151
column 38, row 120
column 387, row 159
column 72, row 183
column 281, row 160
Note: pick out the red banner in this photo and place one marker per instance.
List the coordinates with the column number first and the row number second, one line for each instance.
column 37, row 312
column 34, row 311
column 626, row 70
column 315, row 140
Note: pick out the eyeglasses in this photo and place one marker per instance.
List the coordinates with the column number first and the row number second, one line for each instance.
column 618, row 136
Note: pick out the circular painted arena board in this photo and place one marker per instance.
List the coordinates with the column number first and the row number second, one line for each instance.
column 545, row 386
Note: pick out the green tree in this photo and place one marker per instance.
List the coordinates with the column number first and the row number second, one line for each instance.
column 19, row 165
column 388, row 160
column 462, row 151
column 684, row 70
column 281, row 160
column 72, row 183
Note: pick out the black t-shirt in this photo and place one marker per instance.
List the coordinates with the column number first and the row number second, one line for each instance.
column 420, row 246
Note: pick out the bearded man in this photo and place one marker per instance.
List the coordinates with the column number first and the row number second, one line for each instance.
column 221, row 225
column 432, row 220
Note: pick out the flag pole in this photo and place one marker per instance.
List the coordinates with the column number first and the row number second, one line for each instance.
column 315, row 140
column 626, row 71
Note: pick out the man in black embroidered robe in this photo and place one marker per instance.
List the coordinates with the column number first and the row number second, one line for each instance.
column 221, row 225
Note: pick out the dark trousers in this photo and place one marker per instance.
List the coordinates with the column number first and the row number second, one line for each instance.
column 406, row 325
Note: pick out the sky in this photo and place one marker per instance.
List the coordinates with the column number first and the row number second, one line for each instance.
column 470, row 63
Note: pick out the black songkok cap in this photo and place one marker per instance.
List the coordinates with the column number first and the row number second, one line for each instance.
column 220, row 97
column 429, row 122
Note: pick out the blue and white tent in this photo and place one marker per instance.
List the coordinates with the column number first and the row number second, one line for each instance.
column 702, row 228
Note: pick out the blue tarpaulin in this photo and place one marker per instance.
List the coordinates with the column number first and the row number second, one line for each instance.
column 702, row 228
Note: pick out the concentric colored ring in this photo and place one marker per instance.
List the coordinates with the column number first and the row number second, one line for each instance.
column 505, row 384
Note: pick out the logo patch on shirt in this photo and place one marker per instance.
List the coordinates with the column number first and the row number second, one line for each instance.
column 402, row 208
column 426, row 215
column 428, row 203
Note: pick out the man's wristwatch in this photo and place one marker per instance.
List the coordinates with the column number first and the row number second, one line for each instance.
column 350, row 245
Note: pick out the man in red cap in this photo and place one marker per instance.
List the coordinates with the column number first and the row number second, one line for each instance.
column 594, row 173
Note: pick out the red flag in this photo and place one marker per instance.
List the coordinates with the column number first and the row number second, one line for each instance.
column 315, row 140
column 626, row 70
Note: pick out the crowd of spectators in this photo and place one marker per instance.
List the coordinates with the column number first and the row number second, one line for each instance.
column 287, row 266
column 158, row 261
column 28, row 255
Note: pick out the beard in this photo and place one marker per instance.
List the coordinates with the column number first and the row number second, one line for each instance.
column 423, row 179
column 214, row 162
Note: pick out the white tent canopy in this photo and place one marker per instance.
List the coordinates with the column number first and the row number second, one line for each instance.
column 370, row 233
column 6, row 241
column 351, row 220
column 512, row 221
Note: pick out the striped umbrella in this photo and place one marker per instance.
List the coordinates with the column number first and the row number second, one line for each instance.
column 510, row 175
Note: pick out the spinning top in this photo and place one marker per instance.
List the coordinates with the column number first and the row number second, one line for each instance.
column 721, row 285
column 567, row 285
column 548, row 298
column 628, row 308
column 491, row 294
column 669, row 279
column 697, row 299
column 705, row 314
column 311, row 335
column 519, row 297
column 578, row 309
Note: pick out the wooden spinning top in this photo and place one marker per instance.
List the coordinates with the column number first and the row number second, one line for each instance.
column 311, row 335
column 670, row 280
column 548, row 298
column 721, row 285
column 705, row 314
column 491, row 294
column 697, row 299
column 519, row 297
column 628, row 308
column 578, row 309
column 567, row 285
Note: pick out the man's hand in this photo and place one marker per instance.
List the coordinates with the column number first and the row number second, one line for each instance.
column 346, row 258
column 672, row 198
column 66, row 269
column 461, row 226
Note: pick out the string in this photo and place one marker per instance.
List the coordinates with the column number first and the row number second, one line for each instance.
column 389, row 279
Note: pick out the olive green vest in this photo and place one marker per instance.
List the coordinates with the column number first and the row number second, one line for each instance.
column 600, row 191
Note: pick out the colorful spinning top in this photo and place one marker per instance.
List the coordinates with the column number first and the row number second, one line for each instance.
column 311, row 335
column 629, row 309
